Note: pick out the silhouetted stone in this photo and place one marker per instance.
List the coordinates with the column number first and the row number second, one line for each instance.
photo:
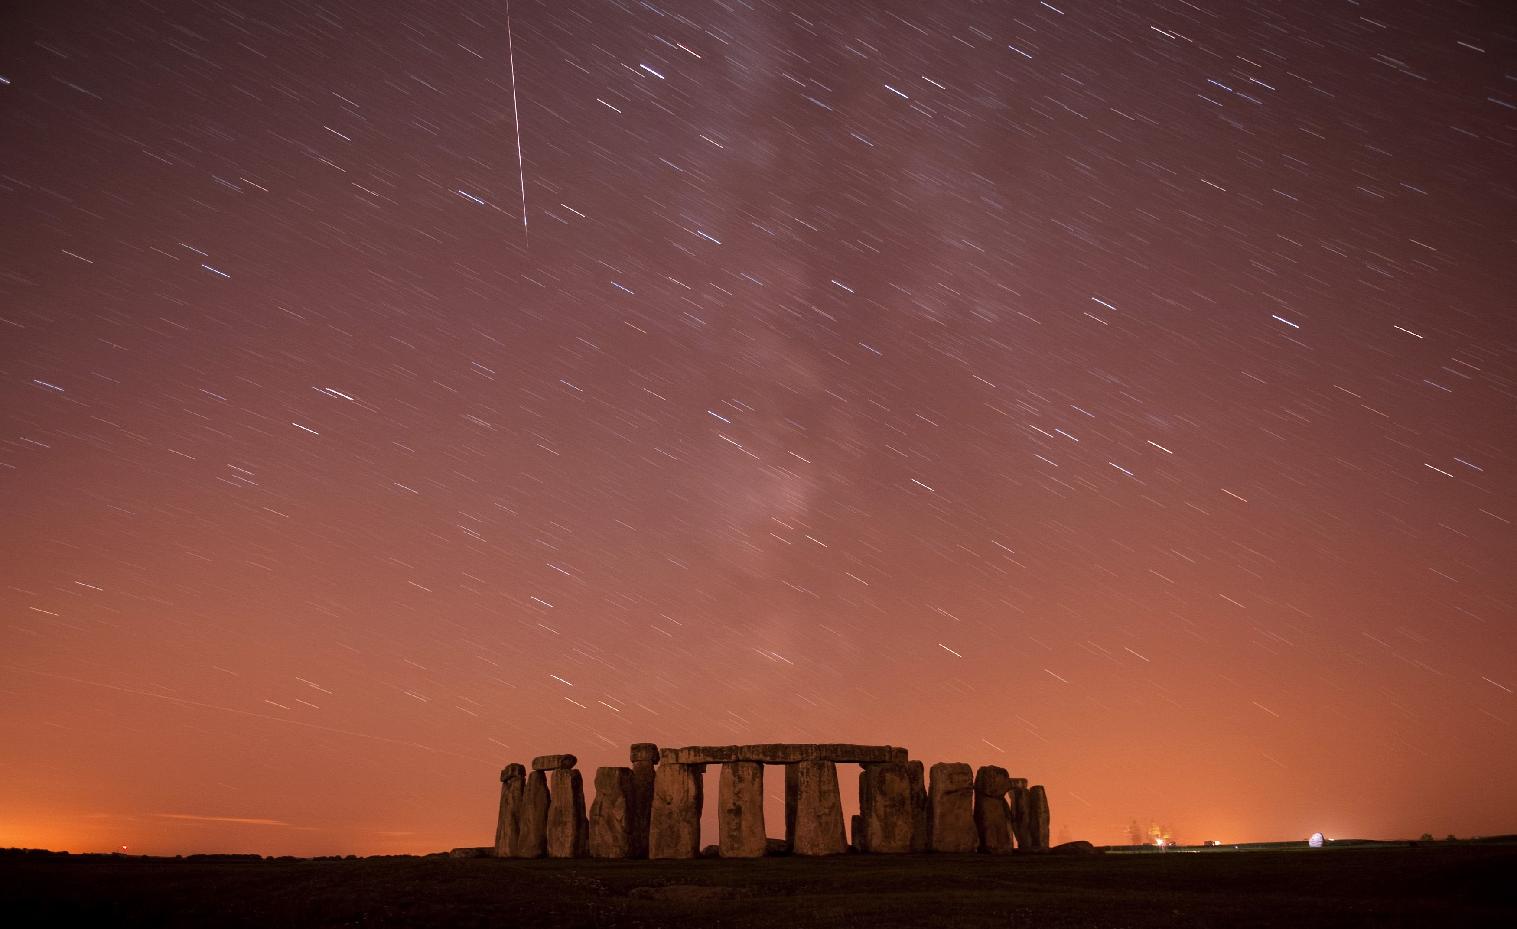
column 711, row 851
column 792, row 781
column 783, row 753
column 554, row 762
column 992, row 817
column 507, row 821
column 610, row 814
column 698, row 754
column 568, row 829
column 1079, row 847
column 856, row 832
column 532, row 828
column 818, row 810
column 776, row 847
column 675, row 823
column 471, row 852
column 640, row 807
column 951, row 808
column 740, row 810
column 921, row 829
column 992, row 780
column 885, row 817
column 1037, row 814
column 1021, row 825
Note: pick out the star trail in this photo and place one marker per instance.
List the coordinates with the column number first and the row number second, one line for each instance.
column 1119, row 393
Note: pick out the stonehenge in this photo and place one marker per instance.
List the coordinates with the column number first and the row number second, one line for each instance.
column 790, row 797
column 513, row 779
column 740, row 800
column 644, row 757
column 781, row 754
column 568, row 830
column 532, row 827
column 885, row 821
column 950, row 810
column 653, row 808
column 920, row 834
column 554, row 762
column 611, row 820
column 818, row 827
column 674, row 829
column 1021, row 823
column 1037, row 812
column 992, row 815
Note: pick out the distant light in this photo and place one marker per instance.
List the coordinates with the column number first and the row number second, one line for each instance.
column 1316, row 840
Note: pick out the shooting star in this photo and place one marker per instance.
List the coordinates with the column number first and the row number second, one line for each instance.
column 521, row 171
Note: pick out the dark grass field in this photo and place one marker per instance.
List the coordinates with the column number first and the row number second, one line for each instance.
column 1437, row 886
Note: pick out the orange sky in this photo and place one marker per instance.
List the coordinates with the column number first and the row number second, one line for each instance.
column 1121, row 396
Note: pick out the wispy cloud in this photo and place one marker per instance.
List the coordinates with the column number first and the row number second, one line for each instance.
column 222, row 819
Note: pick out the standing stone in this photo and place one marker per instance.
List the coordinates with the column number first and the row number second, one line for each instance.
column 740, row 810
column 1021, row 824
column 532, row 829
column 610, row 814
column 992, row 780
column 992, row 816
column 1037, row 813
column 507, row 821
column 818, row 810
column 886, row 822
column 921, row 831
column 568, row 830
column 951, row 808
column 857, row 829
column 640, row 808
column 792, row 783
column 675, row 823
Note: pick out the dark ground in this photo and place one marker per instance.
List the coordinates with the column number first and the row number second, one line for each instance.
column 1437, row 885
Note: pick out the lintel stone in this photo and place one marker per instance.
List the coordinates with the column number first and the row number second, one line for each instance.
column 784, row 753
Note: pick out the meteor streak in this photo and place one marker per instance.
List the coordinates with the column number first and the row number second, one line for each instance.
column 521, row 171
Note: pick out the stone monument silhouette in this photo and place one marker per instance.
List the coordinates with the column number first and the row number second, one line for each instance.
column 653, row 808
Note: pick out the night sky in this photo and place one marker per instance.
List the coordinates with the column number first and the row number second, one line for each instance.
column 1121, row 393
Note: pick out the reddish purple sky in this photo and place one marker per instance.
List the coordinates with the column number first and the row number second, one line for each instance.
column 1119, row 393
